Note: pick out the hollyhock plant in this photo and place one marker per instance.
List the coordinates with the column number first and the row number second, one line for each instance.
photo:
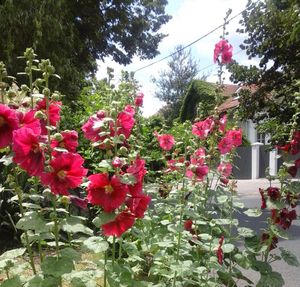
column 54, row 113
column 235, row 136
column 8, row 123
column 125, row 121
column 220, row 251
column 28, row 153
column 224, row 49
column 273, row 193
column 68, row 140
column 138, row 204
column 109, row 193
column 166, row 141
column 66, row 173
column 138, row 101
column 225, row 168
column 263, row 199
column 119, row 225
column 203, row 128
column 265, row 238
column 137, row 169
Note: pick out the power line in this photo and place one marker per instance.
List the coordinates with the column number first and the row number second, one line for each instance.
column 190, row 44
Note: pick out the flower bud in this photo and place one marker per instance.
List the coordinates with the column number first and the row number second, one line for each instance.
column 56, row 96
column 65, row 200
column 24, row 88
column 48, row 194
column 46, row 92
column 123, row 150
column 58, row 137
column 122, row 137
column 11, row 94
column 39, row 115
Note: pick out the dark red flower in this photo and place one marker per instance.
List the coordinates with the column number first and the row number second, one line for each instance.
column 138, row 205
column 224, row 180
column 66, row 173
column 54, row 113
column 27, row 151
column 263, row 199
column 107, row 192
column 283, row 218
column 220, row 251
column 138, row 101
column 69, row 141
column 188, row 224
column 224, row 49
column 292, row 170
column 297, row 163
column 8, row 123
column 80, row 202
column 273, row 193
column 201, row 171
column 119, row 225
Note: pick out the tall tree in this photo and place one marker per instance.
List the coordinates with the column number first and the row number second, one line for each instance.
column 173, row 82
column 74, row 34
column 272, row 28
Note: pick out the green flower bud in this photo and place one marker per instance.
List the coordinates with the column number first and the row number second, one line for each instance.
column 46, row 92
column 122, row 137
column 39, row 115
column 65, row 200
column 123, row 150
column 58, row 137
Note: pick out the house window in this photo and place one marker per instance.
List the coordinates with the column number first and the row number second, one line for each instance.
column 261, row 138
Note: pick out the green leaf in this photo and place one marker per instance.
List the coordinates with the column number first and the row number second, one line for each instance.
column 32, row 221
column 56, row 267
column 73, row 224
column 70, row 253
column 289, row 257
column 245, row 232
column 253, row 212
column 103, row 218
column 271, row 279
column 222, row 198
column 96, row 244
column 36, row 281
column 228, row 247
column 128, row 178
column 12, row 282
column 12, row 254
column 238, row 204
column 279, row 232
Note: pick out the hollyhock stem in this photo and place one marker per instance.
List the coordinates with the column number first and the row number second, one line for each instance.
column 114, row 251
column 28, row 246
column 105, row 272
column 120, row 247
column 55, row 227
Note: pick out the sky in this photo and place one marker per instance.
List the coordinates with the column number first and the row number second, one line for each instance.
column 191, row 19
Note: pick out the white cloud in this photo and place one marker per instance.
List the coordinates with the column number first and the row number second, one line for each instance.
column 191, row 20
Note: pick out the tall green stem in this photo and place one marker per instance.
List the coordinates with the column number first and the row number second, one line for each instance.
column 105, row 272
column 114, row 251
column 56, row 228
column 28, row 246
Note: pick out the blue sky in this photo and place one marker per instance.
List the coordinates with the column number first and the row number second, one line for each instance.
column 191, row 19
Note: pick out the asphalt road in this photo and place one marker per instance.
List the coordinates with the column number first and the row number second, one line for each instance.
column 248, row 191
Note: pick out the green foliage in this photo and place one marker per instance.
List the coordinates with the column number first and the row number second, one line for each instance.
column 271, row 34
column 199, row 100
column 75, row 34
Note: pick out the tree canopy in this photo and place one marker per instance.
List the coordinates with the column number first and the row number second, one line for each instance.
column 272, row 34
column 74, row 34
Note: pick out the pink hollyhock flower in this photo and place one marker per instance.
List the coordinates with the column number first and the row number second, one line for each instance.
column 222, row 123
column 107, row 192
column 28, row 152
column 138, row 204
column 224, row 49
column 119, row 225
column 273, row 193
column 138, row 101
column 94, row 126
column 29, row 121
column 235, row 136
column 8, row 123
column 138, row 170
column 225, row 145
column 201, row 171
column 69, row 141
column 225, row 168
column 224, row 180
column 263, row 199
column 66, row 173
column 166, row 141
column 203, row 128
column 125, row 122
column 54, row 113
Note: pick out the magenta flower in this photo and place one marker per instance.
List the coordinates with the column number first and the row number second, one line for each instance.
column 203, row 128
column 138, row 101
column 166, row 141
column 225, row 145
column 224, row 49
column 225, row 169
column 235, row 136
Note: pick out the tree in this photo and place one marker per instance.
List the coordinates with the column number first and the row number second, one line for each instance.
column 272, row 29
column 199, row 98
column 74, row 34
column 173, row 82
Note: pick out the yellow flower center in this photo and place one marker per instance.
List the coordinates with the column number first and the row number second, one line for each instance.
column 62, row 144
column 108, row 189
column 2, row 121
column 61, row 174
